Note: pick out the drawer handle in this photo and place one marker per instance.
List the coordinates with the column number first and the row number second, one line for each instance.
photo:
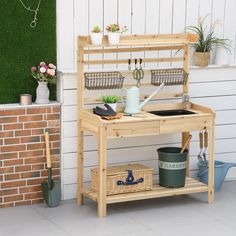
column 130, row 180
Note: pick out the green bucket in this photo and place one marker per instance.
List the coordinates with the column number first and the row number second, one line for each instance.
column 172, row 167
column 52, row 196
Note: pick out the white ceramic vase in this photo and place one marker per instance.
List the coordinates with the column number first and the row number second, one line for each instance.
column 42, row 93
column 113, row 38
column 96, row 38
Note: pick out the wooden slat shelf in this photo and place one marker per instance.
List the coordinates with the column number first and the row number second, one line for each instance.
column 141, row 40
column 191, row 186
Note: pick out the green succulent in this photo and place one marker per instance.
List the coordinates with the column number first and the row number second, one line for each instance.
column 110, row 99
column 96, row 29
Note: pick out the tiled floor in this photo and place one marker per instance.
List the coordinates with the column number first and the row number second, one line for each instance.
column 182, row 215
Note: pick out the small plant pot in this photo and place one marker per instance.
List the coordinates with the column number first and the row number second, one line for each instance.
column 96, row 38
column 113, row 106
column 113, row 38
column 202, row 58
column 52, row 196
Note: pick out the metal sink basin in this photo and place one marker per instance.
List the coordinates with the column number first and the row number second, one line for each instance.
column 178, row 112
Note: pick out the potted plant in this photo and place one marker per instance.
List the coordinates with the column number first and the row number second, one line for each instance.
column 114, row 31
column 111, row 100
column 206, row 42
column 44, row 74
column 96, row 35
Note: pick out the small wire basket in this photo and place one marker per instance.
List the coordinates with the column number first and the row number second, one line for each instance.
column 169, row 77
column 103, row 80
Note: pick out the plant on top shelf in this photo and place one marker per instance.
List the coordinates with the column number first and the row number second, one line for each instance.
column 96, row 35
column 114, row 31
column 206, row 41
column 111, row 100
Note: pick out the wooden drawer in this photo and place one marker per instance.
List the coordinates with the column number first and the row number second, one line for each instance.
column 184, row 124
column 133, row 129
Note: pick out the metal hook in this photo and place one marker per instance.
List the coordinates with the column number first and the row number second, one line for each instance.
column 33, row 24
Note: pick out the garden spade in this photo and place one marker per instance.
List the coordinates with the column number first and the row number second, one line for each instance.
column 52, row 188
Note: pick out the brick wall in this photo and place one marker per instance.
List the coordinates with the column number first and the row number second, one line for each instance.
column 22, row 152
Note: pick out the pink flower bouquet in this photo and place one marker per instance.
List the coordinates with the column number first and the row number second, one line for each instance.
column 44, row 72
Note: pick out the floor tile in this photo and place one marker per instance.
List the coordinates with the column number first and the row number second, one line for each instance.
column 17, row 215
column 34, row 228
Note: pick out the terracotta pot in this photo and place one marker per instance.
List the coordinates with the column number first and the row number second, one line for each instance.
column 202, row 58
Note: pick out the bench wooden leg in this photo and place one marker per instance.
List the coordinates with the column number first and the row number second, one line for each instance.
column 102, row 146
column 80, row 163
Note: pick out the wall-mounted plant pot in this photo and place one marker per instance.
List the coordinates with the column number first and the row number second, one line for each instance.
column 52, row 197
column 113, row 38
column 202, row 58
column 96, row 38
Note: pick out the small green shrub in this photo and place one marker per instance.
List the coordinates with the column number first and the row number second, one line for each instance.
column 110, row 99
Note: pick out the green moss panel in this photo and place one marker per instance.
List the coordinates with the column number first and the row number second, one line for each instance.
column 21, row 47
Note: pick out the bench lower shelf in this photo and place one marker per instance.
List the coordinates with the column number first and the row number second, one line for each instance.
column 191, row 186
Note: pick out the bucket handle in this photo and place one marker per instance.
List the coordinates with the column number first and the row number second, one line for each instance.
column 130, row 180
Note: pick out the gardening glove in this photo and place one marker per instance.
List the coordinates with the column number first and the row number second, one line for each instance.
column 104, row 112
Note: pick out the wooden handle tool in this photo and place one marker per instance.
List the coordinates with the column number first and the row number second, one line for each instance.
column 49, row 165
column 186, row 144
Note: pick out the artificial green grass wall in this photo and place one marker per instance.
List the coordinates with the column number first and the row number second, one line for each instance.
column 21, row 47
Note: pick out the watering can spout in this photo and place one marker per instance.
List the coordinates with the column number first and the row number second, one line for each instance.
column 151, row 96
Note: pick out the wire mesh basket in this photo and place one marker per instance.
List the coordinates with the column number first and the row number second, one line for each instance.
column 103, row 80
column 169, row 77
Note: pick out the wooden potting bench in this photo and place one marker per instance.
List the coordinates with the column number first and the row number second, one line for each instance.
column 145, row 124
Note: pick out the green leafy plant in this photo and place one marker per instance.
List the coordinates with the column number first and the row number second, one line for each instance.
column 115, row 28
column 110, row 99
column 206, row 38
column 96, row 29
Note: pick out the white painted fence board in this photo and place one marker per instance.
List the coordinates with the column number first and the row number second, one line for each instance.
column 192, row 12
column 217, row 103
column 230, row 25
column 226, row 117
column 65, row 32
column 69, row 113
column 220, row 89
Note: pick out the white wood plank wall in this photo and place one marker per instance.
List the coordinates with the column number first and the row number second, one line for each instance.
column 214, row 86
column 76, row 17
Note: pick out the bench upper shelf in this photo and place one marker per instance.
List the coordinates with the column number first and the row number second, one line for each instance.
column 136, row 40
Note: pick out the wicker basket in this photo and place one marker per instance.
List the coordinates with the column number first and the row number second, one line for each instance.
column 124, row 178
column 103, row 80
column 169, row 77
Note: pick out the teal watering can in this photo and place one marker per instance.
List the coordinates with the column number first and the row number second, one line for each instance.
column 221, row 169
